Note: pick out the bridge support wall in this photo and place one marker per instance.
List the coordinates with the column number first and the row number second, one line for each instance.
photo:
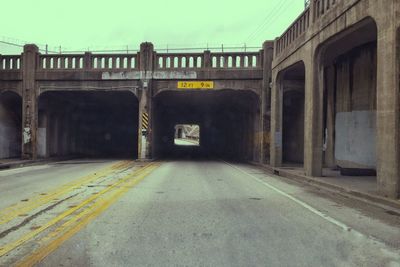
column 29, row 102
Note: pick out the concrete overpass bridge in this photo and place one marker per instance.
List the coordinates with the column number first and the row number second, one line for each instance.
column 128, row 104
column 324, row 94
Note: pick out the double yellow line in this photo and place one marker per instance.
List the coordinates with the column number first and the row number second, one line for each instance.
column 75, row 218
column 16, row 210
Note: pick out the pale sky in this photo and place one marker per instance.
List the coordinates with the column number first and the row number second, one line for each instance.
column 114, row 24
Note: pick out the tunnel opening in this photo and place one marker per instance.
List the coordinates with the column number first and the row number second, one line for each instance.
column 89, row 124
column 187, row 135
column 350, row 100
column 227, row 120
column 293, row 115
column 10, row 125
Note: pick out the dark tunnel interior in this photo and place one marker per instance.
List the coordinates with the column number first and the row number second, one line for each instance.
column 10, row 125
column 293, row 115
column 88, row 124
column 227, row 119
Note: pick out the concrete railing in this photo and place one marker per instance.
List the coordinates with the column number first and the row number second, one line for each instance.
column 10, row 62
column 298, row 27
column 61, row 61
column 208, row 60
column 311, row 15
column 111, row 61
column 161, row 61
column 179, row 61
column 88, row 61
column 322, row 6
column 236, row 60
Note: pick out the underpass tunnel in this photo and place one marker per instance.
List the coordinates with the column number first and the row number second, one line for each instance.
column 293, row 81
column 227, row 120
column 10, row 125
column 98, row 124
column 350, row 101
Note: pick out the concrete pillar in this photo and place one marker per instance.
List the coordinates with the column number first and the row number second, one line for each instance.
column 30, row 59
column 276, row 120
column 207, row 59
column 388, row 112
column 265, row 109
column 87, row 61
column 329, row 131
column 314, row 84
column 145, row 102
column 42, row 137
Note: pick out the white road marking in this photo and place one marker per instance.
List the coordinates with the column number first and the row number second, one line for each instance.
column 341, row 225
column 298, row 201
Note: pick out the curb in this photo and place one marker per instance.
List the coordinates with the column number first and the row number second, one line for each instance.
column 371, row 199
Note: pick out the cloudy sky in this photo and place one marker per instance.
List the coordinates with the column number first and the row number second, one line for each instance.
column 114, row 24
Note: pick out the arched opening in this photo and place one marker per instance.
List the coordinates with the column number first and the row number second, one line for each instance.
column 10, row 125
column 227, row 121
column 293, row 86
column 349, row 63
column 88, row 124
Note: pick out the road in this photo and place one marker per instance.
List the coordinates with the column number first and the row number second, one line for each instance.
column 186, row 142
column 184, row 213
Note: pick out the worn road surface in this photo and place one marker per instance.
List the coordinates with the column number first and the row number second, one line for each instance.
column 184, row 213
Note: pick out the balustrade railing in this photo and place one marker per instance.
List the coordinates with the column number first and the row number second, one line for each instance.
column 235, row 60
column 61, row 61
column 313, row 12
column 162, row 61
column 10, row 62
column 179, row 61
column 127, row 61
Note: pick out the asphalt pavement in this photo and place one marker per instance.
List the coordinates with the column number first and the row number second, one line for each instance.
column 200, row 213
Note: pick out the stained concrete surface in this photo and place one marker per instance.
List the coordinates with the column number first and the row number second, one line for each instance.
column 213, row 214
column 22, row 183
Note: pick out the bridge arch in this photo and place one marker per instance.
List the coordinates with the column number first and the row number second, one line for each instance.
column 10, row 124
column 291, row 84
column 94, row 124
column 346, row 77
column 228, row 119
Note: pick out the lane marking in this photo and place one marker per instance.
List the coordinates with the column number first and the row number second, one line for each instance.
column 13, row 211
column 13, row 245
column 73, row 226
column 296, row 200
column 384, row 247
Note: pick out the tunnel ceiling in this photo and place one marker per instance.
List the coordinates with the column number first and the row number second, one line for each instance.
column 88, row 100
column 241, row 100
column 295, row 72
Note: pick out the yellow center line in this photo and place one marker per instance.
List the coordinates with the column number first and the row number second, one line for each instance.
column 10, row 213
column 73, row 226
column 11, row 246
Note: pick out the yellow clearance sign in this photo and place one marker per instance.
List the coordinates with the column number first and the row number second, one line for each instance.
column 195, row 85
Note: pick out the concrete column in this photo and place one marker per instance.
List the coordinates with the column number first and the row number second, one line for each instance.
column 314, row 84
column 145, row 102
column 30, row 58
column 207, row 59
column 388, row 112
column 265, row 109
column 87, row 61
column 42, row 138
column 329, row 131
column 276, row 120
